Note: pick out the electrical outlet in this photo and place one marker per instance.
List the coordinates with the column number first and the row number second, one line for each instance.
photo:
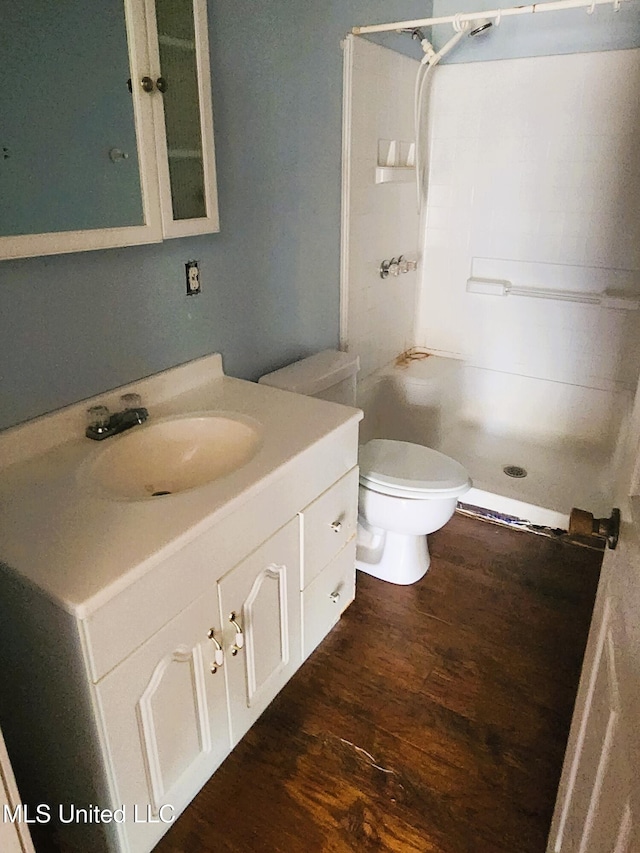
column 193, row 278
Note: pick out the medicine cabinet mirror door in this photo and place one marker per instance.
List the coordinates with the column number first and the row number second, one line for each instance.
column 78, row 166
column 181, row 98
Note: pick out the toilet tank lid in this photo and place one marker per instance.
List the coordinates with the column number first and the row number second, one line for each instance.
column 408, row 467
column 315, row 373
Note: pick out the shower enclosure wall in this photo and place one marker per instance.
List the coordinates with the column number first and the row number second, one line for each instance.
column 380, row 220
column 534, row 176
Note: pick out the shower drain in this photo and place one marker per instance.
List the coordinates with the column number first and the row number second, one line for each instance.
column 514, row 471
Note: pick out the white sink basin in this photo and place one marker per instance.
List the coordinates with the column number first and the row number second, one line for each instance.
column 173, row 455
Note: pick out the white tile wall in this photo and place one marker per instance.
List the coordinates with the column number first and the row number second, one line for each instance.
column 383, row 217
column 534, row 160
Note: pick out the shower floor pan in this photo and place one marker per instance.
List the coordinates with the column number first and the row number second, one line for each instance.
column 445, row 404
column 558, row 476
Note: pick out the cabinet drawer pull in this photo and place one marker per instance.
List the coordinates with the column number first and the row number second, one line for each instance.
column 239, row 635
column 218, row 655
column 336, row 526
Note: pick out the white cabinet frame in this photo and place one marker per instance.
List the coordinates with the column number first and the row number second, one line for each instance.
column 155, row 188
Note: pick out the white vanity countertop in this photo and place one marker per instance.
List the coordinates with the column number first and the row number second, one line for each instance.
column 81, row 547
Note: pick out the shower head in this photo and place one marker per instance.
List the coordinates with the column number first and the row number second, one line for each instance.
column 479, row 26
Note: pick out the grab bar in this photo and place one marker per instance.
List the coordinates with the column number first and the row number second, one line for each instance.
column 501, row 287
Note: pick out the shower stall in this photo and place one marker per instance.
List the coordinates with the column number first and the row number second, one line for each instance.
column 521, row 321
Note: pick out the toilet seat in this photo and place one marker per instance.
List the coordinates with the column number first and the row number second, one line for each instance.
column 408, row 470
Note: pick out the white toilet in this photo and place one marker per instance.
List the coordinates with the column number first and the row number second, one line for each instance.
column 406, row 490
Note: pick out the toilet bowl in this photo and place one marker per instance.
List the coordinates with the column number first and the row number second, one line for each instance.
column 406, row 491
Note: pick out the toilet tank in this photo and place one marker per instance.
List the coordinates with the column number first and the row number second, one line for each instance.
column 329, row 375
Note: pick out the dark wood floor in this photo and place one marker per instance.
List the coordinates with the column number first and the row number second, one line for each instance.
column 433, row 718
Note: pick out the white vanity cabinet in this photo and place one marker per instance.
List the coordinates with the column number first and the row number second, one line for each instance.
column 140, row 640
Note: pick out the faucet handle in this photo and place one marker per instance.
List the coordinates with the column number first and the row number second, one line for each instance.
column 405, row 266
column 131, row 400
column 98, row 418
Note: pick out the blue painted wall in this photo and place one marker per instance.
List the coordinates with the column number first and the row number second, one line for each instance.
column 567, row 31
column 72, row 326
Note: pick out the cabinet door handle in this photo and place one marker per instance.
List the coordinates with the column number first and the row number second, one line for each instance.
column 335, row 597
column 147, row 84
column 218, row 655
column 162, row 85
column 239, row 644
column 336, row 526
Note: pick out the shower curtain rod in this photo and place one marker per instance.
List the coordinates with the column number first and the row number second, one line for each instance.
column 496, row 14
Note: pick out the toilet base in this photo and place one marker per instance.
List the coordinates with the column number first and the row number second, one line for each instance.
column 394, row 557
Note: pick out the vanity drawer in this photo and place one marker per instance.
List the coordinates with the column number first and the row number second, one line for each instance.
column 328, row 524
column 326, row 598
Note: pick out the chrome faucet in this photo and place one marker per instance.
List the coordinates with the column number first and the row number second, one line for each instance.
column 103, row 424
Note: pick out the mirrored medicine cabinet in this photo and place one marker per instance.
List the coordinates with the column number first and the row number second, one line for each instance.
column 106, row 126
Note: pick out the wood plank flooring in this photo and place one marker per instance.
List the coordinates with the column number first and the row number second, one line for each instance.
column 433, row 719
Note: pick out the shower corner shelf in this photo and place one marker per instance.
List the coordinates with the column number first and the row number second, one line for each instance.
column 396, row 174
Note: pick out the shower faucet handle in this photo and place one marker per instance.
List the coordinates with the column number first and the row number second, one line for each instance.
column 397, row 266
column 391, row 267
column 405, row 266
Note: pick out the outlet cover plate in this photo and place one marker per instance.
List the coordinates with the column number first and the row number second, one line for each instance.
column 192, row 271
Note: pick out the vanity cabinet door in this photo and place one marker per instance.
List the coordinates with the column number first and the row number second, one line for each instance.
column 260, row 603
column 165, row 721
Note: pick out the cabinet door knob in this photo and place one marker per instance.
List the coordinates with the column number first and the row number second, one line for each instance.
column 218, row 655
column 147, row 84
column 335, row 597
column 239, row 644
column 336, row 526
column 161, row 84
